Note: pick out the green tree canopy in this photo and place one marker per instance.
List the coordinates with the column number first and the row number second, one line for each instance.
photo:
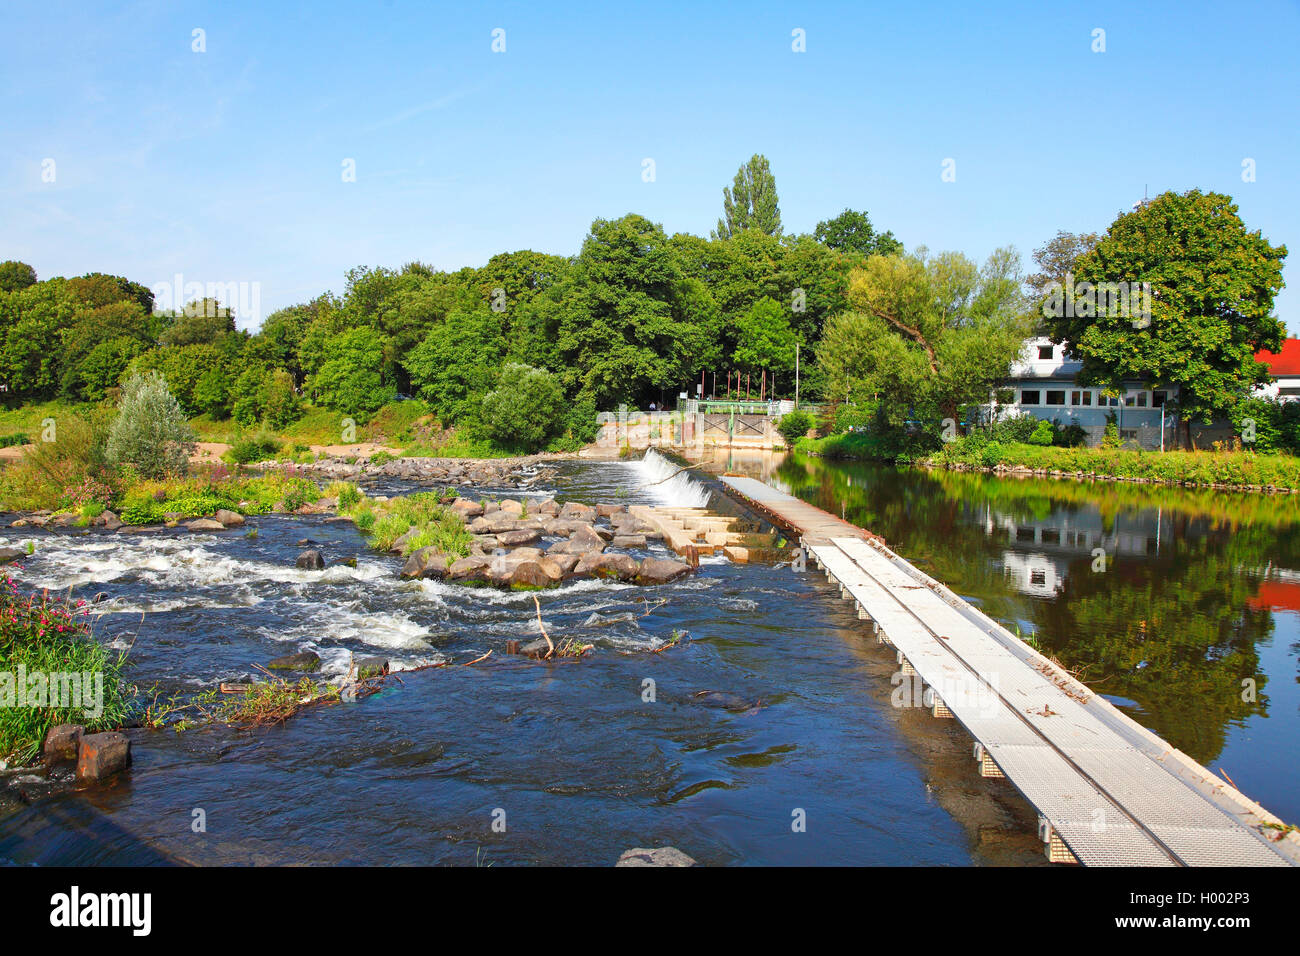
column 751, row 201
column 15, row 275
column 926, row 334
column 851, row 231
column 1212, row 286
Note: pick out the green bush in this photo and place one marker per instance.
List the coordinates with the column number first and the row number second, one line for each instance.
column 794, row 426
column 254, row 448
column 525, row 410
column 150, row 431
column 9, row 441
column 1043, row 435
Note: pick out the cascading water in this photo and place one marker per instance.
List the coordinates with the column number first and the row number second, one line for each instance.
column 678, row 491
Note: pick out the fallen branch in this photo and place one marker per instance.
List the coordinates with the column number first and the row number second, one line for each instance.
column 549, row 643
column 477, row 659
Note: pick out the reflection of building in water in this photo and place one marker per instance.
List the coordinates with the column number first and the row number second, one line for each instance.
column 1036, row 554
column 1279, row 590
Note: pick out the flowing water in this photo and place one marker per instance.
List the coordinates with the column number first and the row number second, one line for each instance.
column 767, row 736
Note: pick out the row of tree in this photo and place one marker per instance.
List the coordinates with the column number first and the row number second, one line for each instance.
column 638, row 315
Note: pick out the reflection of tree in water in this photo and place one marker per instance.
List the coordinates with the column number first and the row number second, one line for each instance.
column 1173, row 632
column 1176, row 635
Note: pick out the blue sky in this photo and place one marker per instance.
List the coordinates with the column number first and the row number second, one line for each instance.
column 226, row 165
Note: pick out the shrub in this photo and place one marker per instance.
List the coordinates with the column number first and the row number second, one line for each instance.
column 1044, row 434
column 8, row 441
column 75, row 452
column 525, row 410
column 150, row 431
column 794, row 426
column 253, row 448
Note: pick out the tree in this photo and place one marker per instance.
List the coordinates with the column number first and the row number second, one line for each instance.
column 1212, row 285
column 526, row 408
column 15, row 275
column 1058, row 259
column 150, row 431
column 751, row 201
column 458, row 362
column 625, row 320
column 201, row 322
column 926, row 334
column 851, row 231
column 764, row 340
column 350, row 379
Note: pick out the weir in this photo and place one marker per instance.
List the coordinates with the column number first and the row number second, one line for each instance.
column 1108, row 792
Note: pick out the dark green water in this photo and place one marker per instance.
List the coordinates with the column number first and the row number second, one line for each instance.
column 1198, row 594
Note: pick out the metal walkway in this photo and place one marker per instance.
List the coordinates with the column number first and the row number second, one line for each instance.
column 1107, row 791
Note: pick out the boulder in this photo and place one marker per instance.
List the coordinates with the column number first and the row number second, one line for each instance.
column 467, row 508
column 511, row 506
column 228, row 518
column 661, row 570
column 99, row 756
column 311, row 560
column 628, row 541
column 620, row 567
column 303, row 661
column 544, row 573
column 61, row 742
column 538, row 648
column 426, row 563
column 502, row 521
column 607, row 511
column 548, row 507
column 480, row 526
column 660, row 856
column 109, row 520
column 510, row 539
column 399, row 545
column 8, row 555
column 565, row 562
column 580, row 512
column 471, row 568
column 205, row 524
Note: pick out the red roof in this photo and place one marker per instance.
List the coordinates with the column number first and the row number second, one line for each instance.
column 1285, row 362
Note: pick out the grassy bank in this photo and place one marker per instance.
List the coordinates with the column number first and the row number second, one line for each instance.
column 1236, row 469
column 44, row 636
column 420, row 520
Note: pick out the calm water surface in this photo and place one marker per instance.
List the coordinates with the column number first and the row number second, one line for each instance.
column 1173, row 603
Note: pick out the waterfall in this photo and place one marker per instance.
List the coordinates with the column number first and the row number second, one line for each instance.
column 679, row 491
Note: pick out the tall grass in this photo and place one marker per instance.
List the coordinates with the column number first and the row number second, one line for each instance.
column 46, row 635
column 435, row 525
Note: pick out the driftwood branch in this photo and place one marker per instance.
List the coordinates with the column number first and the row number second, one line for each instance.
column 549, row 643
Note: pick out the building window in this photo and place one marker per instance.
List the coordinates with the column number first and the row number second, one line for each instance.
column 1038, row 577
column 1128, row 433
column 1142, row 399
column 1056, row 398
column 1045, row 352
column 1029, row 396
column 1129, row 399
column 1158, row 399
column 1051, row 536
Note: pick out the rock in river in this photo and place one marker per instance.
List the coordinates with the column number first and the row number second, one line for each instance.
column 304, row 661
column 661, row 571
column 660, row 856
column 311, row 560
column 99, row 756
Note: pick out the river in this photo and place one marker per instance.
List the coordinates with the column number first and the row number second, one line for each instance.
column 797, row 757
